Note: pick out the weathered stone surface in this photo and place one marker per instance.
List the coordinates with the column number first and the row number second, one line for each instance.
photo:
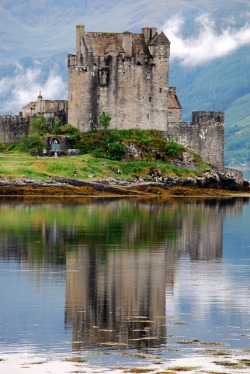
column 12, row 128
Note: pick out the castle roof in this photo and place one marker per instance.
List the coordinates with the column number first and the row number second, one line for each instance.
column 101, row 43
column 173, row 101
column 159, row 39
column 30, row 105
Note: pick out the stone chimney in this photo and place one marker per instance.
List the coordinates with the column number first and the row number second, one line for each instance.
column 79, row 36
column 149, row 33
column 127, row 43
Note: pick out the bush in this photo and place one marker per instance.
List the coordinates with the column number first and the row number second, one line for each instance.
column 39, row 125
column 104, row 120
column 173, row 149
column 33, row 144
column 116, row 151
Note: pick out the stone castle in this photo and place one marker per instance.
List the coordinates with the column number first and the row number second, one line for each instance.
column 126, row 75
column 13, row 127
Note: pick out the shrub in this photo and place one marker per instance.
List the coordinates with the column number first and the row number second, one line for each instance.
column 39, row 125
column 33, row 144
column 173, row 149
column 104, row 120
column 116, row 151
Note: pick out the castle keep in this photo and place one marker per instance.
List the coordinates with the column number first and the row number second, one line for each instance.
column 127, row 75
column 124, row 74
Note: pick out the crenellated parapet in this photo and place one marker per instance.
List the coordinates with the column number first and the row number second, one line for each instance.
column 12, row 128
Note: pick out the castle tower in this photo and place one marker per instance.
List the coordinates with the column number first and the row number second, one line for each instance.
column 124, row 74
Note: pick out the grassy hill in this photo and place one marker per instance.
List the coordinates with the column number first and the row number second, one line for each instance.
column 127, row 154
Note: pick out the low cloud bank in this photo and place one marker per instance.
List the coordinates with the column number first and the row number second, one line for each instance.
column 24, row 85
column 209, row 43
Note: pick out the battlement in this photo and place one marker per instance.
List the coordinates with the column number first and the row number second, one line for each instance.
column 12, row 128
column 207, row 117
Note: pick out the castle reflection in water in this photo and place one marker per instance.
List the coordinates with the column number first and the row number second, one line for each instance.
column 120, row 259
column 118, row 295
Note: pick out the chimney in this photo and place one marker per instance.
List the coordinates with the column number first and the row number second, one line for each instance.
column 149, row 33
column 127, row 43
column 79, row 36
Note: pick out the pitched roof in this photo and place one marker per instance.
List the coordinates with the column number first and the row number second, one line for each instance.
column 101, row 43
column 173, row 102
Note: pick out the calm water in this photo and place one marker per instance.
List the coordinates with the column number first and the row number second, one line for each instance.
column 89, row 276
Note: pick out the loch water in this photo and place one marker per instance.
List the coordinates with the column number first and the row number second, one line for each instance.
column 92, row 276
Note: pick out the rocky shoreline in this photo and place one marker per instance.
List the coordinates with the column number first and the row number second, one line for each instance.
column 217, row 182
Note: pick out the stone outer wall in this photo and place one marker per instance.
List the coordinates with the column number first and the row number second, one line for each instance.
column 205, row 135
column 12, row 128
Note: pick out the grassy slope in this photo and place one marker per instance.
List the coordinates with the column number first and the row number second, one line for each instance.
column 86, row 167
column 100, row 150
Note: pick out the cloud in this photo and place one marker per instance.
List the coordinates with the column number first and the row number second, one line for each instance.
column 24, row 85
column 207, row 44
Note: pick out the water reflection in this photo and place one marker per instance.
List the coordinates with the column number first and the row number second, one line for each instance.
column 120, row 259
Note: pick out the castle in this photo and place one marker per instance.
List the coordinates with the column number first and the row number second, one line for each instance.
column 55, row 108
column 126, row 75
column 13, row 127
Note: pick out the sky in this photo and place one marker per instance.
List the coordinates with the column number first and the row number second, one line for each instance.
column 200, row 32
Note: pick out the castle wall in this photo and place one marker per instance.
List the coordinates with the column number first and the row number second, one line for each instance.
column 120, row 87
column 205, row 135
column 12, row 128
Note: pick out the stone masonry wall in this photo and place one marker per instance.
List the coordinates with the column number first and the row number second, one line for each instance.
column 12, row 128
column 205, row 135
column 130, row 85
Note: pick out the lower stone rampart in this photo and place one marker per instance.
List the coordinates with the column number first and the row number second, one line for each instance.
column 204, row 135
column 12, row 128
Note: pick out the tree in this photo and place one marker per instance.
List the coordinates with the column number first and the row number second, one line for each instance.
column 104, row 120
column 33, row 144
column 39, row 125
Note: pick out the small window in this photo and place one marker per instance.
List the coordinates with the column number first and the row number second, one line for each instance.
column 103, row 77
column 160, row 90
column 150, row 99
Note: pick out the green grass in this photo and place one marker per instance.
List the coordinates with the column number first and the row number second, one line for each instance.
column 86, row 167
column 126, row 154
